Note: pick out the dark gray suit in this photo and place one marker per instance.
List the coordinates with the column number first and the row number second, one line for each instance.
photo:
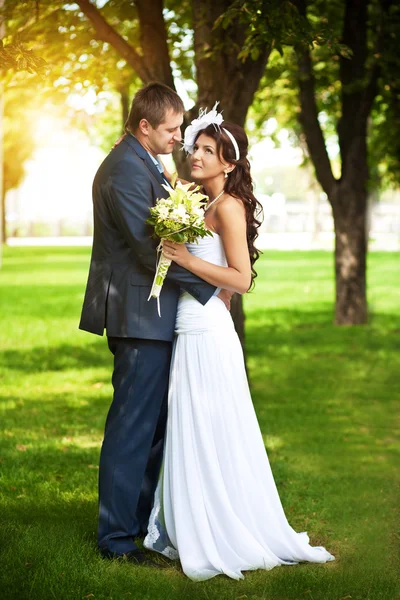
column 121, row 273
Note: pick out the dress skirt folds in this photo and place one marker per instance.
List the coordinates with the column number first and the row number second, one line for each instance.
column 216, row 507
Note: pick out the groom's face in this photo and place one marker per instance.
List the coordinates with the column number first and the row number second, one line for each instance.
column 162, row 139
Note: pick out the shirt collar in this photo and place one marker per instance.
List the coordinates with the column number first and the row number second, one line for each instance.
column 157, row 162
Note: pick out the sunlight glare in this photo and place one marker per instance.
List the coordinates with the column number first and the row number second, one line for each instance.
column 59, row 176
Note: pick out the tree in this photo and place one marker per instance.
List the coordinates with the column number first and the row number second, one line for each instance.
column 18, row 143
column 1, row 139
column 150, row 38
column 138, row 34
column 355, row 67
column 359, row 77
column 220, row 73
column 14, row 58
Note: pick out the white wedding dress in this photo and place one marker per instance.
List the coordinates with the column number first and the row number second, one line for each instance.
column 216, row 507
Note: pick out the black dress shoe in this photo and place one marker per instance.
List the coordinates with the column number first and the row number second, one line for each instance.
column 137, row 557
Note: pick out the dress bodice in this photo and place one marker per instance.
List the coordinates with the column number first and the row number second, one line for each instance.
column 192, row 317
column 209, row 248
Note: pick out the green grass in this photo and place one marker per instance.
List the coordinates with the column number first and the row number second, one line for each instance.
column 327, row 399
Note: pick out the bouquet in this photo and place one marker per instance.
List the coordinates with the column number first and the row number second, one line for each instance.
column 178, row 218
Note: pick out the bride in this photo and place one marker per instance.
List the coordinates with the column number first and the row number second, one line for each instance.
column 216, row 507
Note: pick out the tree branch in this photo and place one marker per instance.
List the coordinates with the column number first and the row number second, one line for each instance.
column 371, row 89
column 310, row 123
column 359, row 82
column 353, row 76
column 32, row 22
column 309, row 114
column 106, row 33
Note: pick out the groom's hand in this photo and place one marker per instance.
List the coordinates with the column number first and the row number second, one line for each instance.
column 225, row 296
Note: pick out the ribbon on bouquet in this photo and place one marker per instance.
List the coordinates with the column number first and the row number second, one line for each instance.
column 162, row 266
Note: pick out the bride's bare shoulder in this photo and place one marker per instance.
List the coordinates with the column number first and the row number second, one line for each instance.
column 229, row 206
column 230, row 216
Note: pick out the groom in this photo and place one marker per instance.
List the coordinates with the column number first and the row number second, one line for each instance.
column 120, row 277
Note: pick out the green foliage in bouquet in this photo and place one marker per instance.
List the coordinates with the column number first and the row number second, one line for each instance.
column 178, row 218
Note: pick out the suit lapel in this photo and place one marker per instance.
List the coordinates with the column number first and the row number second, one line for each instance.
column 144, row 155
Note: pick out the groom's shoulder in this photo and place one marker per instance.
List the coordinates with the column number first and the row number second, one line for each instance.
column 126, row 151
column 122, row 158
column 130, row 150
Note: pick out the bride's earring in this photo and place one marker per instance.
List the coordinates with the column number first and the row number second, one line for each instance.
column 226, row 175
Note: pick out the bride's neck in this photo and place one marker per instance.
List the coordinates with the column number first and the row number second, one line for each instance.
column 213, row 187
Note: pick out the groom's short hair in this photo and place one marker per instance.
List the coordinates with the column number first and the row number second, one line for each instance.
column 151, row 103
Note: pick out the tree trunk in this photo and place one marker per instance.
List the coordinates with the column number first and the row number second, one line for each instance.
column 349, row 204
column 124, row 97
column 154, row 41
column 3, row 228
column 2, row 195
column 181, row 160
column 222, row 76
column 348, row 196
column 239, row 318
column 350, row 216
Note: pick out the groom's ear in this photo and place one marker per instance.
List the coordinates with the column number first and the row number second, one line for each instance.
column 144, row 126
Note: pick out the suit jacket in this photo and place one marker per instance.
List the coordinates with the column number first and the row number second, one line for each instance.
column 123, row 258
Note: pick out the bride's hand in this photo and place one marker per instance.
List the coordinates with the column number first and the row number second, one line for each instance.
column 176, row 252
column 119, row 140
column 226, row 297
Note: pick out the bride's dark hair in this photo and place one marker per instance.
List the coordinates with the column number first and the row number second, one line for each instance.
column 239, row 183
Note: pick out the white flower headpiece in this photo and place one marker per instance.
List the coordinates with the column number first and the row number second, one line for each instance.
column 204, row 120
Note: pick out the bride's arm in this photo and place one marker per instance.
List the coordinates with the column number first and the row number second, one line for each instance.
column 230, row 220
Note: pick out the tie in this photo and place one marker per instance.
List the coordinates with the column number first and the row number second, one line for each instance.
column 166, row 180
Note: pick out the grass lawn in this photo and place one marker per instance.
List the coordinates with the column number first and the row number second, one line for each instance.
column 327, row 399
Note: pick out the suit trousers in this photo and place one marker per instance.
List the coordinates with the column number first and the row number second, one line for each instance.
column 132, row 449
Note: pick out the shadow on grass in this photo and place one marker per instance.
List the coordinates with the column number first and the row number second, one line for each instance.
column 315, row 327
column 299, row 344
column 325, row 398
column 297, row 333
column 43, row 301
column 32, row 425
column 62, row 357
column 48, row 535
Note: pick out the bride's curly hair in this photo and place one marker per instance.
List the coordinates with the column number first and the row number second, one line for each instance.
column 239, row 183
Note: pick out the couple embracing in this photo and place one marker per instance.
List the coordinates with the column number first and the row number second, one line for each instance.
column 183, row 463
